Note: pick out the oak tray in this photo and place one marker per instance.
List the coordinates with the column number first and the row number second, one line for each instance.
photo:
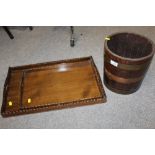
column 52, row 85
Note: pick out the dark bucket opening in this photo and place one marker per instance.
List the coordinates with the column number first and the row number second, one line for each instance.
column 130, row 45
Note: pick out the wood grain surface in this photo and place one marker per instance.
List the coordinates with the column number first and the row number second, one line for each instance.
column 53, row 85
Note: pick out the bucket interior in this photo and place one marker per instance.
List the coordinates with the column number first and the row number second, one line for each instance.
column 130, row 45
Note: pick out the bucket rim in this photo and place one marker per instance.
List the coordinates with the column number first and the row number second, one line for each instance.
column 130, row 59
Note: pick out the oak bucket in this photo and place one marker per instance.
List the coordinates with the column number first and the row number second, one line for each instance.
column 127, row 57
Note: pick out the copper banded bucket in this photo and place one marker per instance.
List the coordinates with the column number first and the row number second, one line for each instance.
column 127, row 57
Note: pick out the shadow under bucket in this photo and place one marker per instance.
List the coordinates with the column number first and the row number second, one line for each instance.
column 127, row 57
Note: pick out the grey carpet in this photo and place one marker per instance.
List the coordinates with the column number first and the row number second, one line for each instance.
column 52, row 43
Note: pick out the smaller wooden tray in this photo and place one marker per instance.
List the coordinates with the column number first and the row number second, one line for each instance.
column 52, row 85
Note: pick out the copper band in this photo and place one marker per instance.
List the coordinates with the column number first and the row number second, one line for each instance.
column 128, row 67
column 122, row 80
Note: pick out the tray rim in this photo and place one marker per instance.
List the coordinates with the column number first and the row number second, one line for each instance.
column 50, row 106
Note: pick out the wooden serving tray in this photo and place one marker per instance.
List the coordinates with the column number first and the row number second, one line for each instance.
column 52, row 85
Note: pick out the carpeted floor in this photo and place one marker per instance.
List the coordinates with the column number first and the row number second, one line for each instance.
column 52, row 43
